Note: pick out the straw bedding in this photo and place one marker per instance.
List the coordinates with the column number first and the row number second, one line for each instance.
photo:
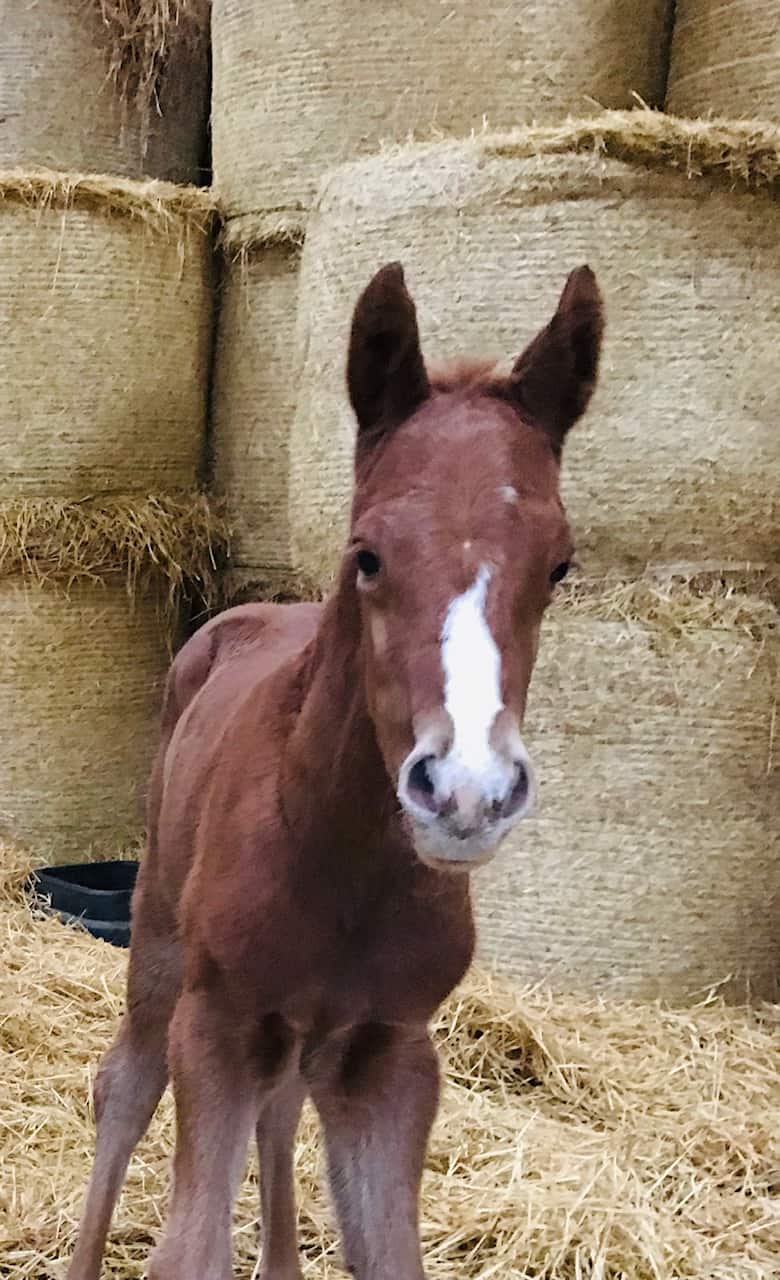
column 577, row 1138
column 653, row 866
column 333, row 81
column 253, row 390
column 88, row 612
column 681, row 223
column 726, row 59
column 105, row 321
column 107, row 86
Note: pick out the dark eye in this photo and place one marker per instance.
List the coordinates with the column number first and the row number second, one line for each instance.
column 560, row 572
column 368, row 563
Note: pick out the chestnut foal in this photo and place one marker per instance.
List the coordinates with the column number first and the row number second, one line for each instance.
column 324, row 773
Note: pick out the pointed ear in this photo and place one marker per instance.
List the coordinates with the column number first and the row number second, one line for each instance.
column 386, row 374
column 553, row 380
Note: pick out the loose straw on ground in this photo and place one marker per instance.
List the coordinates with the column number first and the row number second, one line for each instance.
column 577, row 1138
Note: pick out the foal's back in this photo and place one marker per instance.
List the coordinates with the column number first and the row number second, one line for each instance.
column 245, row 657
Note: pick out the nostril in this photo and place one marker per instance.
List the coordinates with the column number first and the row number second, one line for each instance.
column 420, row 784
column 520, row 792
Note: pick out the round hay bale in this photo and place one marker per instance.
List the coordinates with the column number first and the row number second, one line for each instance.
column 89, row 602
column 105, row 330
column 106, row 86
column 653, row 866
column 82, row 677
column 677, row 457
column 299, row 88
column 725, row 59
column 253, row 399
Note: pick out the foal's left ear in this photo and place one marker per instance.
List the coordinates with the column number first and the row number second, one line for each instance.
column 385, row 370
column 553, row 380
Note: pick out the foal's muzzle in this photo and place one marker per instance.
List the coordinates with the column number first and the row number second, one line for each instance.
column 457, row 815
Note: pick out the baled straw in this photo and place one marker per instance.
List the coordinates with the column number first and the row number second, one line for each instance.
column 652, row 866
column 83, row 669
column 725, row 59
column 90, row 601
column 577, row 1138
column 106, row 334
column 254, row 390
column 111, row 86
column 680, row 222
column 332, row 85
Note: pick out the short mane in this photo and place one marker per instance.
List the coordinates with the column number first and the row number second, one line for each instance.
column 464, row 374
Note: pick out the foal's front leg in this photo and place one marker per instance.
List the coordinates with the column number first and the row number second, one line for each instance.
column 216, row 1107
column 377, row 1107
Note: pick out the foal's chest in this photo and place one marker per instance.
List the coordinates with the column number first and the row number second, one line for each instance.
column 383, row 949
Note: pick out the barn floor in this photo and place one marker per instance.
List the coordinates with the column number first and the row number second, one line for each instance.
column 576, row 1139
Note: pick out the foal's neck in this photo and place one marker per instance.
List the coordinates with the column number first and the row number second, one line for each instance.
column 335, row 784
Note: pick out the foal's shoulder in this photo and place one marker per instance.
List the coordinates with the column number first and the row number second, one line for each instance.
column 267, row 632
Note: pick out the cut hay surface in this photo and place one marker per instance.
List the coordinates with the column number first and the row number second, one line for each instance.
column 577, row 1139
column 113, row 86
column 680, row 222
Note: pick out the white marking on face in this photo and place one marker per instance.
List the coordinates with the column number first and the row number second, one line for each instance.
column 472, row 693
column 508, row 493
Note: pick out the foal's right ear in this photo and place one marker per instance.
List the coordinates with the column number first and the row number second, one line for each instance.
column 386, row 374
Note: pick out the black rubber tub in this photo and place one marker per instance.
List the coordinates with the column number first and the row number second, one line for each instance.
column 97, row 895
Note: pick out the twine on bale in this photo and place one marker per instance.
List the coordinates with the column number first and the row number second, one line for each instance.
column 105, row 334
column 254, row 390
column 725, row 59
column 576, row 1137
column 681, row 223
column 334, row 82
column 652, row 865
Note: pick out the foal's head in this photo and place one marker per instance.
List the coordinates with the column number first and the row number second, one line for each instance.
column 458, row 537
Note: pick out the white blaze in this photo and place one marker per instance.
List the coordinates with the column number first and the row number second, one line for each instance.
column 472, row 691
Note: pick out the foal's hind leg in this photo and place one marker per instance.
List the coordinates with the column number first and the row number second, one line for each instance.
column 276, row 1128
column 216, row 1096
column 128, row 1087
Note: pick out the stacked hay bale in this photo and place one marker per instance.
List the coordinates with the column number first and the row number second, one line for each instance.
column 726, row 59
column 299, row 89
column 653, row 867
column 106, row 86
column 105, row 320
column 253, row 397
